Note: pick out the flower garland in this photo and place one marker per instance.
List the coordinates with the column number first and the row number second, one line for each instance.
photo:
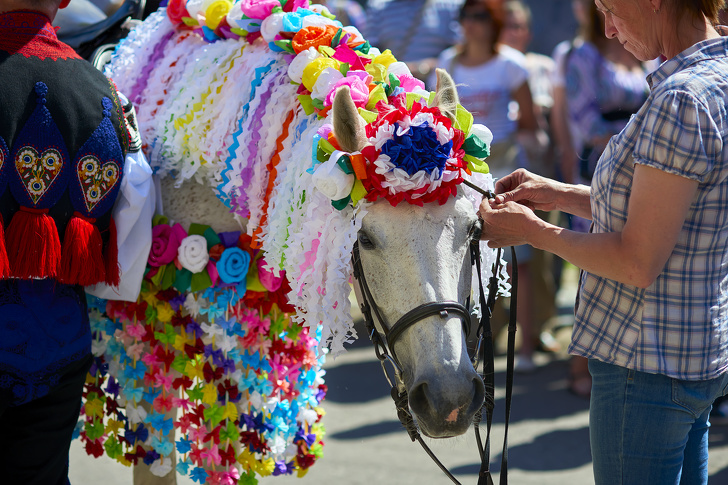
column 210, row 337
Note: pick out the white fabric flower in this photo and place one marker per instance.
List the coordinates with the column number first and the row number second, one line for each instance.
column 374, row 52
column 299, row 63
column 482, row 132
column 355, row 34
column 325, row 83
column 135, row 414
column 398, row 69
column 272, row 26
column 197, row 6
column 192, row 305
column 192, row 253
column 160, row 469
column 331, row 180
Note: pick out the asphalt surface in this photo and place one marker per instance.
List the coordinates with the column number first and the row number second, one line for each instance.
column 365, row 443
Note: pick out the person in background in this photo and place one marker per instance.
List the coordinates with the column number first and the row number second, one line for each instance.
column 652, row 304
column 516, row 36
column 416, row 31
column 605, row 85
column 67, row 155
column 488, row 82
column 559, row 116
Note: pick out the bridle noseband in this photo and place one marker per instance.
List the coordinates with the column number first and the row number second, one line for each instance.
column 384, row 350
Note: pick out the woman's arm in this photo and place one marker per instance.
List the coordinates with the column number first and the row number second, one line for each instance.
column 658, row 206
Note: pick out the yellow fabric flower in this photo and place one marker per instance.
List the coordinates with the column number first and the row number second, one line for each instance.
column 217, row 11
column 164, row 312
column 385, row 58
column 312, row 72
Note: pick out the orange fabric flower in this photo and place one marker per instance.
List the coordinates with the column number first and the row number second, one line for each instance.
column 313, row 36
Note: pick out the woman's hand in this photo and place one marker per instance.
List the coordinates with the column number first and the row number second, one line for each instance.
column 529, row 189
column 544, row 194
column 507, row 224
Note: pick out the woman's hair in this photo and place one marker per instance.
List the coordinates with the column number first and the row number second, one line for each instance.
column 698, row 8
column 497, row 16
column 512, row 6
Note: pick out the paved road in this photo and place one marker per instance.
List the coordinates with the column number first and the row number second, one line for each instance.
column 365, row 443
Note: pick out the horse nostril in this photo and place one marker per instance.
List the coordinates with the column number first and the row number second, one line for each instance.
column 478, row 395
column 418, row 400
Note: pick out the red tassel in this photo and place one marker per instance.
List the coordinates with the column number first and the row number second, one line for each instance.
column 4, row 263
column 33, row 246
column 82, row 261
column 113, row 271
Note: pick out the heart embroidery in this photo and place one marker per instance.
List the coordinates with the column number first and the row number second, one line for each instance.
column 96, row 179
column 37, row 172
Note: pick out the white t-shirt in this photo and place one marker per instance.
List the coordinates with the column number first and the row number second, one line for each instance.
column 485, row 90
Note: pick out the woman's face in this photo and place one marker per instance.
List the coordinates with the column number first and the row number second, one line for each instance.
column 515, row 31
column 477, row 25
column 625, row 20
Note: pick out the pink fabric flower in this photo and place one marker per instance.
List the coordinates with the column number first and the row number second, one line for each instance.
column 258, row 9
column 410, row 83
column 271, row 280
column 358, row 86
column 165, row 241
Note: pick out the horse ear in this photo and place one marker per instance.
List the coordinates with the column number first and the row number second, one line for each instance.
column 446, row 96
column 349, row 127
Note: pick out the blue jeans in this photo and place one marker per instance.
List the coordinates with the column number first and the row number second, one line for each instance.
column 649, row 429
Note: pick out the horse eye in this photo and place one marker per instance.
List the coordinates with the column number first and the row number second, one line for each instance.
column 364, row 241
column 475, row 230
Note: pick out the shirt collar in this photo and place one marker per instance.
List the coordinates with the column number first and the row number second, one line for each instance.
column 31, row 34
column 707, row 49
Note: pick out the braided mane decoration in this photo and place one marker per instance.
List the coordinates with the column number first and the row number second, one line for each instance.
column 237, row 98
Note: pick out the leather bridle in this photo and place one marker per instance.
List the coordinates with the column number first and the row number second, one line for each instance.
column 384, row 349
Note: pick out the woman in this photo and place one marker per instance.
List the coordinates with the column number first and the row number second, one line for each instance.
column 653, row 301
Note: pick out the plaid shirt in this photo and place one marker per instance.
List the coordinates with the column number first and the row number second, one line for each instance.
column 678, row 326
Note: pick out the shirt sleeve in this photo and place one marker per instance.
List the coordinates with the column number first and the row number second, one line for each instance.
column 132, row 214
column 679, row 136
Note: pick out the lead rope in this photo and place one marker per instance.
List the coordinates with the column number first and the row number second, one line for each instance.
column 488, row 375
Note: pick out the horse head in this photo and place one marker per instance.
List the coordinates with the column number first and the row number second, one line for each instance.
column 412, row 256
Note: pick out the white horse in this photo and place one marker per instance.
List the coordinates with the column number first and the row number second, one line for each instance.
column 411, row 256
column 245, row 141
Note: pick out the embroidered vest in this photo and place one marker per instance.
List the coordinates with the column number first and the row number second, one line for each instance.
column 63, row 141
